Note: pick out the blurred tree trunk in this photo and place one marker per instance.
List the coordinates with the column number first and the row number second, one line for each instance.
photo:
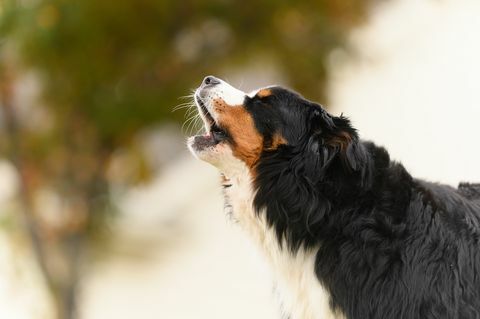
column 59, row 261
column 66, row 296
column 15, row 156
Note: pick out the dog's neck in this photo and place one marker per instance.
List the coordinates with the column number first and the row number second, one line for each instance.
column 300, row 294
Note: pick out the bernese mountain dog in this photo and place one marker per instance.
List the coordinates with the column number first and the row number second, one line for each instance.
column 348, row 232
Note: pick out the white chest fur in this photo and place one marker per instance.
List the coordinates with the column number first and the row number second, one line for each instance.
column 301, row 294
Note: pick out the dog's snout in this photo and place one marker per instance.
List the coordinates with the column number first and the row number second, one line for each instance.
column 210, row 81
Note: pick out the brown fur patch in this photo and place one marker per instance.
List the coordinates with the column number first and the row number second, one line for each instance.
column 277, row 140
column 264, row 93
column 341, row 140
column 247, row 141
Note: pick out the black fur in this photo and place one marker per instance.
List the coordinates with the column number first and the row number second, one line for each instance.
column 391, row 246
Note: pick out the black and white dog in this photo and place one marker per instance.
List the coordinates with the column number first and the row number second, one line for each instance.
column 348, row 232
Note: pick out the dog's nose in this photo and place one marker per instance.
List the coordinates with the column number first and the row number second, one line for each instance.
column 210, row 81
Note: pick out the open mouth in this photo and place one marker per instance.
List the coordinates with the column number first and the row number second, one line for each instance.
column 214, row 134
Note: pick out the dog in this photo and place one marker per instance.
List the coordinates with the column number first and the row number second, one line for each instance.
column 348, row 232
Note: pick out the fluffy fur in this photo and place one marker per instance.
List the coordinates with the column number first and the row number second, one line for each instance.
column 349, row 233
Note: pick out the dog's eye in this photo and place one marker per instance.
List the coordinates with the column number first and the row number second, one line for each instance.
column 218, row 134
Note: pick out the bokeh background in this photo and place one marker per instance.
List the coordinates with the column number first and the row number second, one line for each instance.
column 104, row 214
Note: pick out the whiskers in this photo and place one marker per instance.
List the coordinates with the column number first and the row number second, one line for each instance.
column 193, row 122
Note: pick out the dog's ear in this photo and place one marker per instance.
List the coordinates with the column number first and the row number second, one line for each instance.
column 336, row 136
column 345, row 138
column 318, row 154
column 320, row 120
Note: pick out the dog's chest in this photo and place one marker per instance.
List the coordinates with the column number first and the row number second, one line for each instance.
column 300, row 294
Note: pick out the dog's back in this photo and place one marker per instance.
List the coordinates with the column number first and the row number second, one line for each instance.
column 470, row 191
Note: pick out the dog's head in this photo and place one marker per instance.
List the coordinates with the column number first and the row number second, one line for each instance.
column 244, row 128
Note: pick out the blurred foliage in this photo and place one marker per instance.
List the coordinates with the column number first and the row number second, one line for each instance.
column 122, row 65
column 109, row 69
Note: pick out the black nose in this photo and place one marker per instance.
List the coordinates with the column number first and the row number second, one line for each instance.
column 210, row 80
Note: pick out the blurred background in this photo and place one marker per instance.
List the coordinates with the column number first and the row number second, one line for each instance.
column 104, row 214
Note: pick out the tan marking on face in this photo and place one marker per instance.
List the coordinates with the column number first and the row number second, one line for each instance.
column 247, row 141
column 264, row 93
column 341, row 140
column 277, row 140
